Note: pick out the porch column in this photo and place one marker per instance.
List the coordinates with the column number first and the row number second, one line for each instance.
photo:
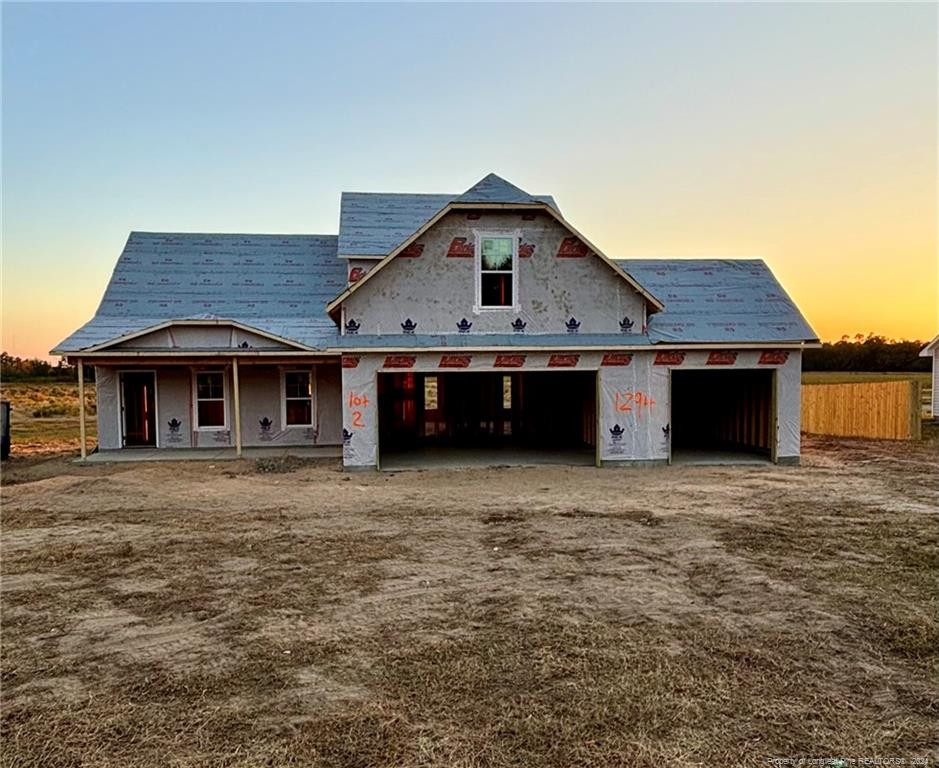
column 237, row 392
column 81, row 408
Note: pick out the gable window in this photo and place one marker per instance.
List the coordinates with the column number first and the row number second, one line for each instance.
column 298, row 398
column 497, row 258
column 210, row 400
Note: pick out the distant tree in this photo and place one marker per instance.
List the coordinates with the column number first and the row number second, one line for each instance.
column 866, row 353
column 29, row 369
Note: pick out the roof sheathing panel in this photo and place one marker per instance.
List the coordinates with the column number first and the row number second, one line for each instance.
column 718, row 300
column 373, row 224
column 276, row 283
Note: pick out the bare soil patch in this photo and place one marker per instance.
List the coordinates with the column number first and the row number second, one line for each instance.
column 292, row 614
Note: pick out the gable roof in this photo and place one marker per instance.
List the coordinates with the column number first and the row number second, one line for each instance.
column 276, row 284
column 493, row 188
column 373, row 224
column 715, row 300
column 931, row 347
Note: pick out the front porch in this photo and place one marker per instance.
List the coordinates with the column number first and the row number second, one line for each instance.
column 176, row 407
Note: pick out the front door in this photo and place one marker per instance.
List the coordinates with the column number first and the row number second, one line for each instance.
column 138, row 409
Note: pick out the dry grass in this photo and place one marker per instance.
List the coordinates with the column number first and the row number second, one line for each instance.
column 291, row 614
column 45, row 416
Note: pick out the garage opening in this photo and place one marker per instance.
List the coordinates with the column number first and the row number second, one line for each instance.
column 486, row 418
column 722, row 416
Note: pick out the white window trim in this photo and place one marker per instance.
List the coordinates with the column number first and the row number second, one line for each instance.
column 195, row 399
column 283, row 397
column 514, row 235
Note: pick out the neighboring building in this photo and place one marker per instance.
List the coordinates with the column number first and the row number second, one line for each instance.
column 932, row 350
column 482, row 323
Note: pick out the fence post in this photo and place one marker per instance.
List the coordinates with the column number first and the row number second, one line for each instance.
column 916, row 416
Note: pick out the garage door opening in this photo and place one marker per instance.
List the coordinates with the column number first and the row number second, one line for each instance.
column 722, row 416
column 486, row 418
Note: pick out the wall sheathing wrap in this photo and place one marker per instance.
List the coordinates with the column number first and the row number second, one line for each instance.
column 634, row 393
column 173, row 406
column 193, row 337
column 634, row 400
column 261, row 408
column 431, row 287
column 262, row 411
column 108, row 408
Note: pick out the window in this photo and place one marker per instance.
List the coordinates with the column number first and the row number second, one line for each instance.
column 298, row 398
column 496, row 271
column 430, row 393
column 210, row 400
column 507, row 405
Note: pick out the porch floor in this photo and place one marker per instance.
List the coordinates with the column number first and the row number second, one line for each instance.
column 460, row 458
column 212, row 454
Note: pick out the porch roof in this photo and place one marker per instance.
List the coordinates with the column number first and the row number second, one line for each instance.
column 277, row 284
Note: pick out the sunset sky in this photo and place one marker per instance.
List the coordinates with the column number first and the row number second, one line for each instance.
column 802, row 134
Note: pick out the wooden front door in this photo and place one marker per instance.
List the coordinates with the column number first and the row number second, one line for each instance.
column 138, row 409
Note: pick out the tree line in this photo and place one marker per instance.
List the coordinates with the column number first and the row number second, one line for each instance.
column 866, row 353
column 33, row 369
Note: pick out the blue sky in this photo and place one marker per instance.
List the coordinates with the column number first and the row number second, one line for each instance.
column 803, row 134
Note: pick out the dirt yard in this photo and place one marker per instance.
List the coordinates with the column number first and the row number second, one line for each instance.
column 272, row 614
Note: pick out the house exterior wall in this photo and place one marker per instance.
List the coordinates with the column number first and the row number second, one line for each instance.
column 646, row 428
column 644, row 439
column 435, row 287
column 358, row 267
column 174, row 398
column 201, row 337
column 108, row 408
column 261, row 401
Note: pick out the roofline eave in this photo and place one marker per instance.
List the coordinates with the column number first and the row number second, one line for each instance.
column 654, row 347
column 174, row 354
column 182, row 322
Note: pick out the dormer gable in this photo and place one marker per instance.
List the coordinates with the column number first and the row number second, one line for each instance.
column 493, row 195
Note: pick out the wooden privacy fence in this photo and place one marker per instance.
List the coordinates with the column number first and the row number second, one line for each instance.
column 881, row 409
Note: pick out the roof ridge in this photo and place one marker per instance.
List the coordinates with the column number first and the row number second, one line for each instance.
column 494, row 189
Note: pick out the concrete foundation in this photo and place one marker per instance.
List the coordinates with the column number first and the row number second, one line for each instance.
column 209, row 454
column 454, row 458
